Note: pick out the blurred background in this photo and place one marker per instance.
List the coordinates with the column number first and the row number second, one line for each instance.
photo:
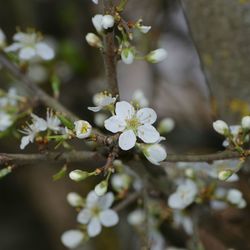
column 205, row 76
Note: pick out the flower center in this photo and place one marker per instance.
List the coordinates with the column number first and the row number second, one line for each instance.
column 133, row 123
column 84, row 129
column 95, row 211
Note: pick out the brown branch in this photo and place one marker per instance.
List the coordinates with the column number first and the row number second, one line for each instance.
column 224, row 155
column 27, row 159
column 129, row 200
column 109, row 54
column 79, row 156
column 34, row 90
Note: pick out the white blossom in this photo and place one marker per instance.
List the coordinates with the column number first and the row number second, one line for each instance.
column 93, row 40
column 38, row 73
column 83, row 129
column 120, row 182
column 137, row 217
column 2, row 39
column 155, row 153
column 101, row 188
column 144, row 29
column 234, row 196
column 29, row 46
column 102, row 101
column 108, row 21
column 127, row 55
column 220, row 127
column 157, row 55
column 74, row 199
column 245, row 122
column 184, row 195
column 140, row 99
column 53, row 122
column 78, row 175
column 38, row 125
column 72, row 238
column 97, row 22
column 95, row 1
column 132, row 123
column 166, row 125
column 97, row 213
column 5, row 121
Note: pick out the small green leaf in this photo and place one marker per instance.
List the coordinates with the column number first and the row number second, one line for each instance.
column 5, row 171
column 66, row 122
column 59, row 175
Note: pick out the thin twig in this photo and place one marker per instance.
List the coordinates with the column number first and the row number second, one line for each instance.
column 33, row 88
column 129, row 200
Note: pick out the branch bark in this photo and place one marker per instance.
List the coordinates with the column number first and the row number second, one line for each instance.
column 109, row 55
column 80, row 156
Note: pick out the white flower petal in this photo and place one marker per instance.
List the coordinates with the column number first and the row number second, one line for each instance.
column 84, row 216
column 95, row 109
column 148, row 134
column 146, row 116
column 92, row 199
column 109, row 218
column 114, row 124
column 13, row 47
column 124, row 110
column 25, row 141
column 155, row 153
column 97, row 22
column 44, row 51
column 106, row 201
column 94, row 227
column 72, row 238
column 176, row 202
column 27, row 53
column 127, row 140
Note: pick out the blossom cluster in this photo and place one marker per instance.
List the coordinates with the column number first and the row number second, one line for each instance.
column 235, row 135
column 127, row 52
column 95, row 213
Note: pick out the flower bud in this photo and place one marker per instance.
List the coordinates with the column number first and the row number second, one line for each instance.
column 95, row 1
column 83, row 129
column 2, row 39
column 127, row 56
column 78, row 175
column 155, row 153
column 74, row 199
column 245, row 122
column 108, row 21
column 93, row 40
column 220, row 127
column 101, row 188
column 166, row 125
column 156, row 56
column 97, row 22
column 234, row 196
column 72, row 238
column 225, row 174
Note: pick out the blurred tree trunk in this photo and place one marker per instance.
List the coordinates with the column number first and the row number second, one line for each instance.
column 221, row 31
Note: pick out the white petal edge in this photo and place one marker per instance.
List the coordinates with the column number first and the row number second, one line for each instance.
column 148, row 133
column 124, row 110
column 114, row 124
column 109, row 218
column 84, row 216
column 127, row 140
column 146, row 116
column 44, row 51
column 94, row 227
